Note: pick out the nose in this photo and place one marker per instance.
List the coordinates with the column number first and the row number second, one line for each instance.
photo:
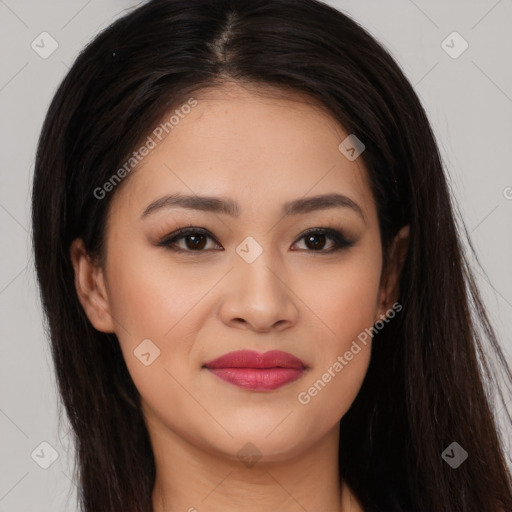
column 258, row 297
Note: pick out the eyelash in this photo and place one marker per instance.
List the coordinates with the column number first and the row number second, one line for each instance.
column 336, row 236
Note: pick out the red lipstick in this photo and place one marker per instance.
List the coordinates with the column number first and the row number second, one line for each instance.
column 257, row 371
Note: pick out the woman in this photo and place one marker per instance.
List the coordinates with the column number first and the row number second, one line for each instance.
column 256, row 292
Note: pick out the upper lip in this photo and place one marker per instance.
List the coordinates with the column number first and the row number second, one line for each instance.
column 252, row 359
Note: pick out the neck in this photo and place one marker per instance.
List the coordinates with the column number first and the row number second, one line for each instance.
column 191, row 478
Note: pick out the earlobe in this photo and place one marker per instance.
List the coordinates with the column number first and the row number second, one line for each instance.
column 389, row 288
column 90, row 287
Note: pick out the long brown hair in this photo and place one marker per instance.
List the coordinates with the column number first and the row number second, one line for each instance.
column 430, row 375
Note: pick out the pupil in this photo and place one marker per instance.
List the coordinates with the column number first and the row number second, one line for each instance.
column 311, row 238
column 196, row 242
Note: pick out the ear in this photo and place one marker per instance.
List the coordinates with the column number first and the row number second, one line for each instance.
column 389, row 285
column 90, row 287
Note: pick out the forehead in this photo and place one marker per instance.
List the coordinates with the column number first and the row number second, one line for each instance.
column 260, row 146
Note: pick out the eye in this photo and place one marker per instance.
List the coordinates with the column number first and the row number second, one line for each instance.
column 195, row 240
column 315, row 239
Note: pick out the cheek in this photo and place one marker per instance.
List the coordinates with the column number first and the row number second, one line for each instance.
column 343, row 298
column 153, row 300
column 344, row 304
column 149, row 295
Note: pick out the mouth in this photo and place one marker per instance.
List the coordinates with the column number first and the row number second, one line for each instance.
column 257, row 371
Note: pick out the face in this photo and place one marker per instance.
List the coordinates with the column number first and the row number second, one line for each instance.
column 271, row 269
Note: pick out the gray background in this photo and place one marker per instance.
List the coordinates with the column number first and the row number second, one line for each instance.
column 468, row 100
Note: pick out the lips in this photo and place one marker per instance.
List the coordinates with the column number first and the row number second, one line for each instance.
column 257, row 371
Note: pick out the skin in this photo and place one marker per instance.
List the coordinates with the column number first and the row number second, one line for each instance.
column 260, row 149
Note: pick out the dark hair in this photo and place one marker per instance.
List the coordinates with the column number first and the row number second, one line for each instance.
column 428, row 383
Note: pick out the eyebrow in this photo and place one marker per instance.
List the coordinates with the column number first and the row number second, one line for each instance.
column 230, row 207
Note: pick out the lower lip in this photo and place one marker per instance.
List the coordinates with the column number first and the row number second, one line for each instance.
column 258, row 379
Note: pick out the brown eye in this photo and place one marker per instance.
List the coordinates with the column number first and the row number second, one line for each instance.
column 315, row 242
column 316, row 239
column 195, row 240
